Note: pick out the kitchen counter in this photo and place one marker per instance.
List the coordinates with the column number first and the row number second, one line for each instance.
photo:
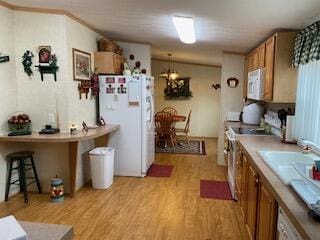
column 41, row 231
column 62, row 136
column 228, row 124
column 100, row 135
column 293, row 206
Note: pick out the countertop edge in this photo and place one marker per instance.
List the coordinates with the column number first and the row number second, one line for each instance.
column 61, row 137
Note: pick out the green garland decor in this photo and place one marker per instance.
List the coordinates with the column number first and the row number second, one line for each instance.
column 27, row 62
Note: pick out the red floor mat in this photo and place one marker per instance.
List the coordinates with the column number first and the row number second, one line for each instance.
column 160, row 170
column 215, row 189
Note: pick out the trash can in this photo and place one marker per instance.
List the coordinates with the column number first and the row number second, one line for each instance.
column 101, row 161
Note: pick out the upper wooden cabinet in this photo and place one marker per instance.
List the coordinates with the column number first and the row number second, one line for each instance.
column 275, row 55
column 269, row 60
column 108, row 63
column 256, row 58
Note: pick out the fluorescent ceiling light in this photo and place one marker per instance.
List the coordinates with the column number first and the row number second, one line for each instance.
column 185, row 29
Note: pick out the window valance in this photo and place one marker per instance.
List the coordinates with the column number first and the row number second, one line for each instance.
column 307, row 45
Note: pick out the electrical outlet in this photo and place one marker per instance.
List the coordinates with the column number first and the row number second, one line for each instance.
column 51, row 118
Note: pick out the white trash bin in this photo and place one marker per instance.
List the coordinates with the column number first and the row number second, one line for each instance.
column 102, row 161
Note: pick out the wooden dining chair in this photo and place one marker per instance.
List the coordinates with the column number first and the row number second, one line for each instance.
column 170, row 110
column 164, row 127
column 185, row 130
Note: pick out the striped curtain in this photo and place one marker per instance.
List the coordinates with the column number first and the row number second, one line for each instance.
column 307, row 45
column 307, row 117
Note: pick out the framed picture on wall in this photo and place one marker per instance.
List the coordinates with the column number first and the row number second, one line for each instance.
column 44, row 54
column 178, row 89
column 81, row 65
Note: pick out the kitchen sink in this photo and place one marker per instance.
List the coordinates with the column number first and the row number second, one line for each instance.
column 281, row 163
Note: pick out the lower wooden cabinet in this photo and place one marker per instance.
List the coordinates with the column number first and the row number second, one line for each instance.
column 257, row 208
column 266, row 215
column 243, row 201
column 252, row 198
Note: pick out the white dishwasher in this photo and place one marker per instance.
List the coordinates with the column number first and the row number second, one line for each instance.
column 286, row 230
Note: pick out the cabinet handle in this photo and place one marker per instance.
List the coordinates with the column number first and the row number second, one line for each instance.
column 257, row 181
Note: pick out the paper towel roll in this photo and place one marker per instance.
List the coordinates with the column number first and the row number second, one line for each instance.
column 289, row 128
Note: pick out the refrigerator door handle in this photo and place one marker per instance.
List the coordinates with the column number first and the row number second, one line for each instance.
column 149, row 111
column 152, row 108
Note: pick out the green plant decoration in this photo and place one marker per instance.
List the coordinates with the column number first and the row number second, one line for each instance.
column 27, row 62
column 53, row 60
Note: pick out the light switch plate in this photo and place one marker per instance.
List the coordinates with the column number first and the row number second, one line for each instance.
column 51, row 118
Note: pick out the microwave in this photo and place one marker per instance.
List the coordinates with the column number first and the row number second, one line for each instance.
column 255, row 85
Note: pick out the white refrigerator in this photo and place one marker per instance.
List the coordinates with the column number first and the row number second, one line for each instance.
column 128, row 101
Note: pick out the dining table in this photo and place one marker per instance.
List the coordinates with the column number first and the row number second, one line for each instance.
column 177, row 118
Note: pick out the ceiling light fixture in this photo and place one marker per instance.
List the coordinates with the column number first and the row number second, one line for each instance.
column 185, row 29
column 169, row 74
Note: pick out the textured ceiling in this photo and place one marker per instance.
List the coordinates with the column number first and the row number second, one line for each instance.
column 232, row 25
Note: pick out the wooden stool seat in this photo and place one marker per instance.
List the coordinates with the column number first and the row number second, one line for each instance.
column 20, row 160
column 20, row 154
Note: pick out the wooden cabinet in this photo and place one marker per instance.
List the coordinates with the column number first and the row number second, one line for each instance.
column 252, row 196
column 256, row 58
column 257, row 208
column 241, row 183
column 261, row 55
column 269, row 60
column 108, row 63
column 245, row 77
column 275, row 55
column 243, row 202
column 266, row 215
column 253, row 61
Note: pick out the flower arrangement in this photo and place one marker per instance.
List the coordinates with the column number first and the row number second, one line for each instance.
column 19, row 122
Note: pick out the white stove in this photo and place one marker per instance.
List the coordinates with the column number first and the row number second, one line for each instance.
column 231, row 135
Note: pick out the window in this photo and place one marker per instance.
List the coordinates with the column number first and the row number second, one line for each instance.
column 307, row 119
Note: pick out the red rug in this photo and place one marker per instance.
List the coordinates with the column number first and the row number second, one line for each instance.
column 160, row 170
column 215, row 189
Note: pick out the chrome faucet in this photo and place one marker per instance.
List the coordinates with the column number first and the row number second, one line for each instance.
column 310, row 145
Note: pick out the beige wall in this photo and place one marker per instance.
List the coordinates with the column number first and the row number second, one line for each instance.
column 141, row 52
column 26, row 31
column 8, row 86
column 205, row 102
column 37, row 98
column 231, row 98
column 82, row 38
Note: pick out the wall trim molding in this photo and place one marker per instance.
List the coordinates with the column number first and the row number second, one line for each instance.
column 51, row 11
column 131, row 41
column 234, row 53
column 191, row 63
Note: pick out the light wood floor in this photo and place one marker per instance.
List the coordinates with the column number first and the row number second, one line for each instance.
column 143, row 208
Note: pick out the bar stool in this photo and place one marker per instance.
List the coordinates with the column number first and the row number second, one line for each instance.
column 20, row 158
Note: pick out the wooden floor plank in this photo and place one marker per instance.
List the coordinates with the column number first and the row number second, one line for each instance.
column 143, row 208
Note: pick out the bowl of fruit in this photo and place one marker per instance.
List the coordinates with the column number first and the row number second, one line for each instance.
column 19, row 123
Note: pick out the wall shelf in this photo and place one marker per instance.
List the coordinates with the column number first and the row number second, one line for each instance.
column 48, row 70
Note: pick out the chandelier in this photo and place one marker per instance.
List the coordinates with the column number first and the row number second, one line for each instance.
column 169, row 74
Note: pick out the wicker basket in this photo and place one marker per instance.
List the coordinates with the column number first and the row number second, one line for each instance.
column 119, row 50
column 107, row 45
